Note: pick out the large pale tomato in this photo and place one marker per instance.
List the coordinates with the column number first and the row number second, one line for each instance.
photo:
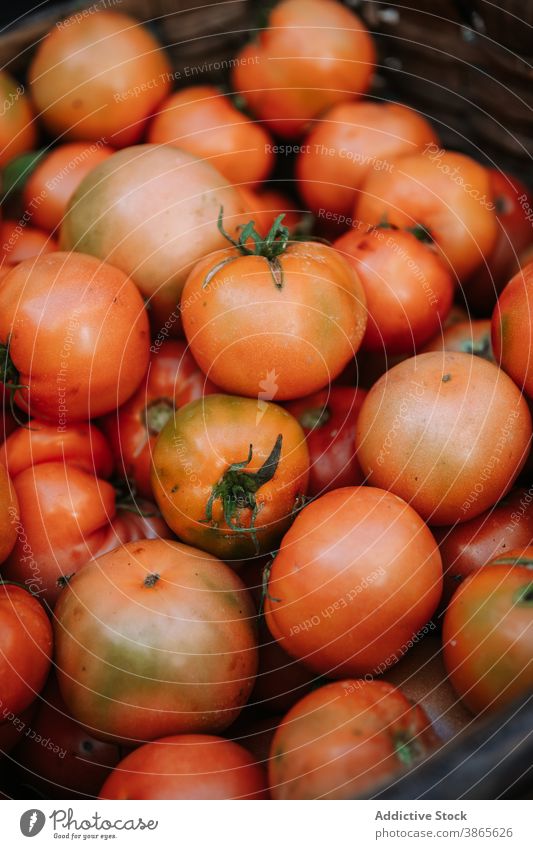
column 343, row 738
column 278, row 320
column 74, row 337
column 155, row 638
column 187, row 766
column 356, row 576
column 447, row 432
column 228, row 473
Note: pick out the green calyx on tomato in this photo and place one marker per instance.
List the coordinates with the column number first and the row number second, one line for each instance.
column 157, row 414
column 151, row 580
column 524, row 595
column 236, row 488
column 10, row 378
column 419, row 231
column 314, row 417
column 478, row 348
column 406, row 748
column 271, row 247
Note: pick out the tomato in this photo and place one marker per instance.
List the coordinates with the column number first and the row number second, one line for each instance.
column 311, row 55
column 25, row 649
column 20, row 242
column 155, row 638
column 279, row 320
column 228, row 473
column 74, row 337
column 356, row 576
column 328, row 419
column 264, row 206
column 347, row 143
column 17, row 127
column 54, row 178
column 166, row 226
column 57, row 757
column 187, row 766
column 512, row 200
column 470, row 337
column 447, row 432
column 172, row 381
column 81, row 445
column 9, row 511
column 345, row 737
column 64, row 513
column 138, row 520
column 204, row 122
column 471, row 545
column 408, row 289
column 512, row 329
column 98, row 76
column 447, row 193
column 422, row 678
column 488, row 636
column 281, row 681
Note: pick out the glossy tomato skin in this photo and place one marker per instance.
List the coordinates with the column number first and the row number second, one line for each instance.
column 77, row 334
column 187, row 766
column 168, row 224
column 341, row 739
column 408, row 289
column 194, row 453
column 512, row 330
column 512, row 199
column 328, row 419
column 81, row 445
column 26, row 641
column 203, row 121
column 9, row 513
column 311, row 55
column 488, row 637
column 56, row 176
column 284, row 338
column 471, row 545
column 356, row 576
column 166, row 624
column 58, row 757
column 173, row 380
column 64, row 515
column 138, row 520
column 347, row 142
column 18, row 132
column 429, row 189
column 89, row 78
column 469, row 337
column 447, row 432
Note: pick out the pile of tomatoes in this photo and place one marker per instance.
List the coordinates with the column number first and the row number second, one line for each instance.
column 266, row 524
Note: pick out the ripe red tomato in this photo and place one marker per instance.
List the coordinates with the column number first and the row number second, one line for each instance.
column 408, row 289
column 228, row 473
column 447, row 193
column 25, row 649
column 74, row 337
column 311, row 55
column 488, row 636
column 470, row 337
column 155, row 638
column 9, row 513
column 471, row 545
column 187, row 766
column 328, row 419
column 204, row 121
column 173, row 380
column 512, row 329
column 98, row 76
column 277, row 321
column 345, row 737
column 447, row 432
column 356, row 576
column 348, row 142
column 64, row 517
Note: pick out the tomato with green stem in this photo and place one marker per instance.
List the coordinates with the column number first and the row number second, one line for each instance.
column 469, row 337
column 488, row 635
column 340, row 740
column 228, row 474
column 273, row 318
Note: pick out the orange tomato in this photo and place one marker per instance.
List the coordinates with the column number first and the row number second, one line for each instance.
column 18, row 132
column 98, row 76
column 9, row 514
column 203, row 121
column 470, row 337
column 19, row 242
column 512, row 329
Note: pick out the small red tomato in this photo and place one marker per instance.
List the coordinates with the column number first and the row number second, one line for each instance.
column 469, row 337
